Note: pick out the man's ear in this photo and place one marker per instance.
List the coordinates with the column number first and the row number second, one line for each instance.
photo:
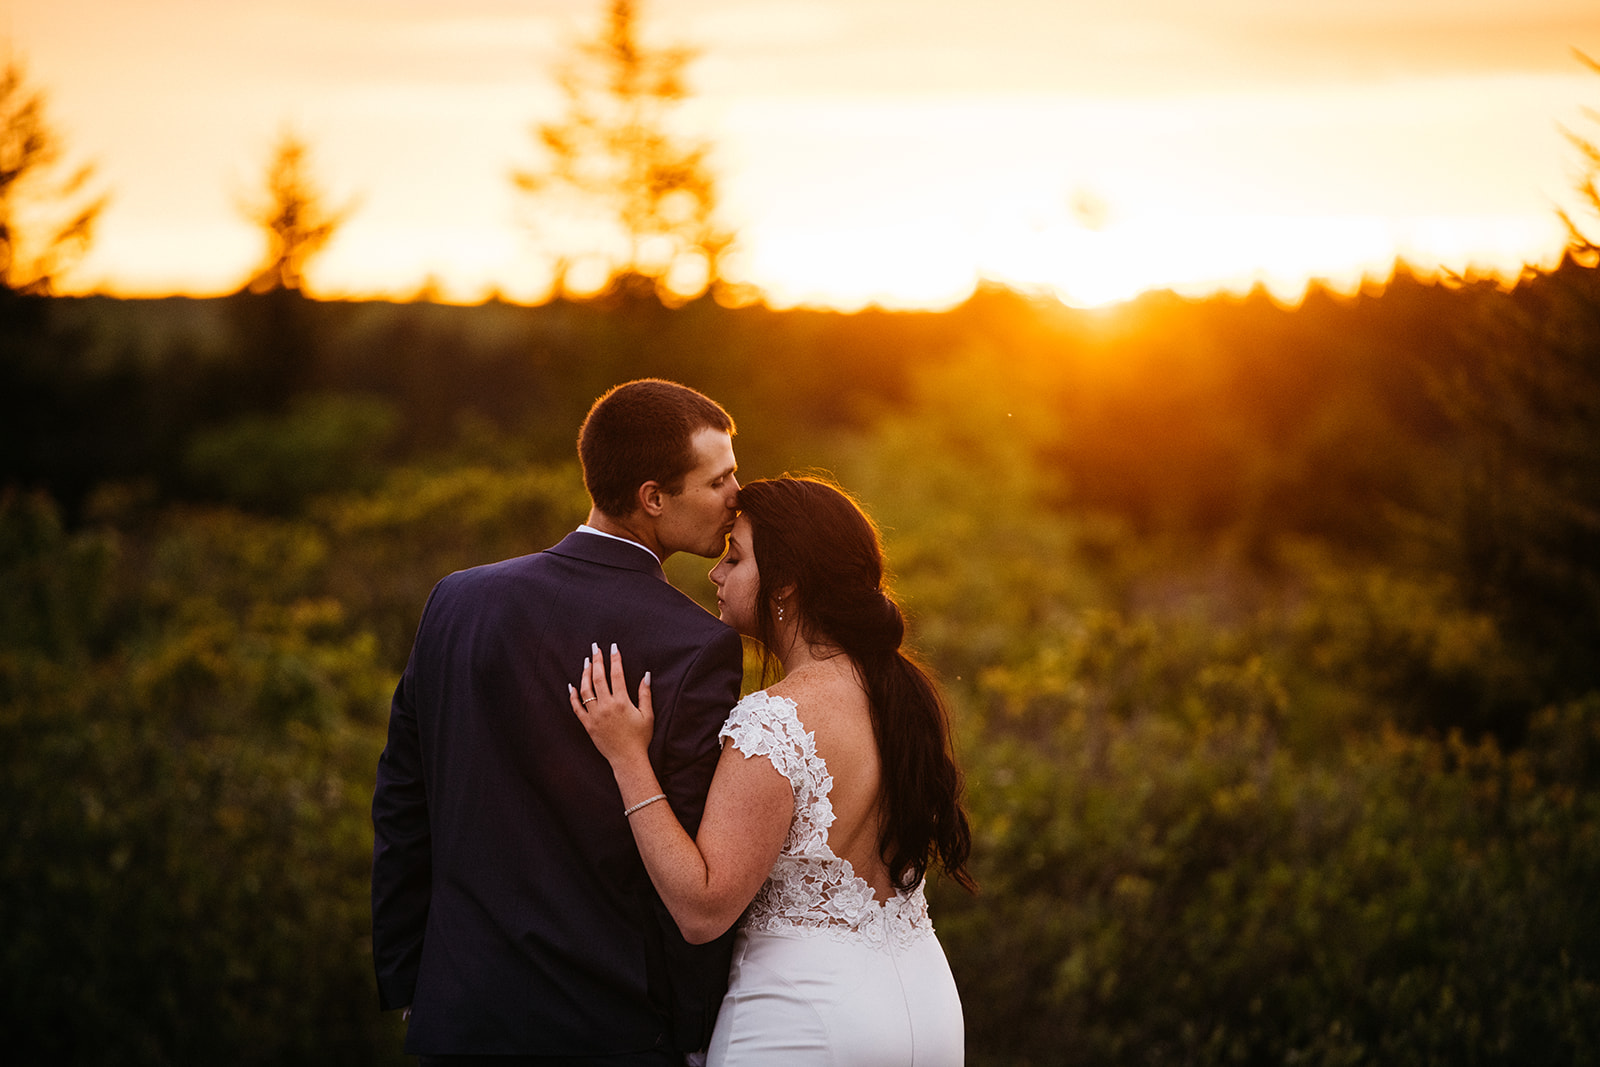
column 651, row 498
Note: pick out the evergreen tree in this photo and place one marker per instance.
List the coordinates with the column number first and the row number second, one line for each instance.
column 277, row 345
column 642, row 198
column 294, row 216
column 46, row 221
column 1588, row 182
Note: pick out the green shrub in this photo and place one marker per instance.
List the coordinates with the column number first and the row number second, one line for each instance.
column 1165, row 881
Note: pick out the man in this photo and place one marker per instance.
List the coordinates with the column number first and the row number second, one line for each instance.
column 511, row 912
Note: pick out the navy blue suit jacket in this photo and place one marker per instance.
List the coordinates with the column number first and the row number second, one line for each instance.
column 510, row 907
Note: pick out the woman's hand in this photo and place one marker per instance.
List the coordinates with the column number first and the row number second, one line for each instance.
column 708, row 882
column 619, row 730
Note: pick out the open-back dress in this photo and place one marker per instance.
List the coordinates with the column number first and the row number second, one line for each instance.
column 823, row 972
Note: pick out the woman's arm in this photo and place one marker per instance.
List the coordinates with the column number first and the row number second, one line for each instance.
column 707, row 882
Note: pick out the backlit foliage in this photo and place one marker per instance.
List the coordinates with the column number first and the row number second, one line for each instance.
column 1264, row 631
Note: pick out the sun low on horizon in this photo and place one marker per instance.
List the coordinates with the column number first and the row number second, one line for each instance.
column 885, row 152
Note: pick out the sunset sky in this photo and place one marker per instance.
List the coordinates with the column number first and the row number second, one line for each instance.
column 890, row 151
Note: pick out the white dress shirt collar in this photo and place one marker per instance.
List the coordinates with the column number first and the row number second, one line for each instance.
column 586, row 528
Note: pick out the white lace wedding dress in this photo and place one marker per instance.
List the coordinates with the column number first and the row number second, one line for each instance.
column 823, row 972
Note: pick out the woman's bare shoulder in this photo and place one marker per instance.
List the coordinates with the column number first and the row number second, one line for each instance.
column 823, row 699
column 815, row 687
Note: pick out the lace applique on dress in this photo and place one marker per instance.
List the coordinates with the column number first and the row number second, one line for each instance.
column 810, row 888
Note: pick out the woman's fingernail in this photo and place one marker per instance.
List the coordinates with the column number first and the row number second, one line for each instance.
column 613, row 648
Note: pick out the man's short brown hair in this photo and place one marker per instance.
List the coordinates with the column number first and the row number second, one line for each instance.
column 642, row 431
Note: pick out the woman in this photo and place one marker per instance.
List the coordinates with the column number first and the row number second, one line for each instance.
column 834, row 793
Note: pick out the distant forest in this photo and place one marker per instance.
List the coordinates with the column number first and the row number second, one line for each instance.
column 1272, row 633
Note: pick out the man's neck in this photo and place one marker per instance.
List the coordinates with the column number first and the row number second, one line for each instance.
column 629, row 529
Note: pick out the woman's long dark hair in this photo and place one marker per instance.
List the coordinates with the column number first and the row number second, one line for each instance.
column 812, row 536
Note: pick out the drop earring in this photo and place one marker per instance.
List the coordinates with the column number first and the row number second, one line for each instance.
column 780, row 611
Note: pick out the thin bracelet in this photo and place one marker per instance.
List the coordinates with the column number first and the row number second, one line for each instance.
column 643, row 804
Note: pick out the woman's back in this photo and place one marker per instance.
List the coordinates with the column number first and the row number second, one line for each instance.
column 831, row 964
column 832, row 706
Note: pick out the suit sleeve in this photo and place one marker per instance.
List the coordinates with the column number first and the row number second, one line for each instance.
column 689, row 748
column 402, row 853
column 684, row 766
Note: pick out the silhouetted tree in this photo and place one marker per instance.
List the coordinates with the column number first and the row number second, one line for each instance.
column 1587, row 184
column 277, row 343
column 613, row 162
column 294, row 214
column 1528, row 525
column 46, row 221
